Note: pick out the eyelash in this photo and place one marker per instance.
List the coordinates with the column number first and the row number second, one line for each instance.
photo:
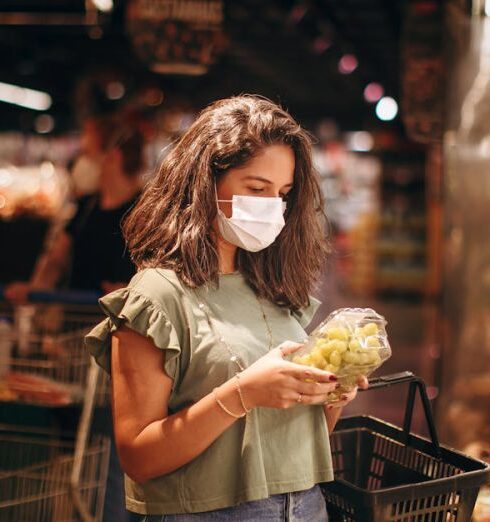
column 256, row 190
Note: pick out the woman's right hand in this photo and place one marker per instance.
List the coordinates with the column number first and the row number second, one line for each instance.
column 273, row 382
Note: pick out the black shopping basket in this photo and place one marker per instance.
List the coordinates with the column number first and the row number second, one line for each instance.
column 384, row 473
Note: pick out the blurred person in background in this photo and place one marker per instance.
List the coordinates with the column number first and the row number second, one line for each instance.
column 89, row 254
column 85, row 168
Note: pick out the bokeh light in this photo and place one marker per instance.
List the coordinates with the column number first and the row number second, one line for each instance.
column 348, row 64
column 373, row 92
column 386, row 109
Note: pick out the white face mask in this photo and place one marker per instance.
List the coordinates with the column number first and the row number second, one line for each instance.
column 85, row 174
column 255, row 222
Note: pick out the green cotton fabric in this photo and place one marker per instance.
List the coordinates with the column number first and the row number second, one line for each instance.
column 269, row 451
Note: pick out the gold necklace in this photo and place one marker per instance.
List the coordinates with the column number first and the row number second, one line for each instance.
column 204, row 306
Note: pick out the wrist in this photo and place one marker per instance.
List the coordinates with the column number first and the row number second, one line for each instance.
column 228, row 398
column 247, row 390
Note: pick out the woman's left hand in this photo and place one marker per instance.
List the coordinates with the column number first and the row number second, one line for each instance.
column 347, row 397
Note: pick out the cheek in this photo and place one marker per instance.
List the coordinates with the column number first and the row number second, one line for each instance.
column 226, row 187
column 226, row 208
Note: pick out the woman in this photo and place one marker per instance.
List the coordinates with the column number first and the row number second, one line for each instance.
column 211, row 419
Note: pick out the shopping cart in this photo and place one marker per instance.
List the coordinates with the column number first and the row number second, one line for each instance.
column 44, row 474
column 387, row 474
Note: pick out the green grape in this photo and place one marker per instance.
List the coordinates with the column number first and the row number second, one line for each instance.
column 328, row 347
column 373, row 342
column 335, row 358
column 370, row 329
column 364, row 358
column 340, row 346
column 354, row 345
column 317, row 359
column 375, row 358
column 306, row 360
column 349, row 357
column 338, row 333
column 356, row 357
column 321, row 343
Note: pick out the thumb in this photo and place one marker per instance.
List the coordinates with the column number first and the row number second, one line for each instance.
column 288, row 347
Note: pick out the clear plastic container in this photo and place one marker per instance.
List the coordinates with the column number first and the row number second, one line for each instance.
column 350, row 342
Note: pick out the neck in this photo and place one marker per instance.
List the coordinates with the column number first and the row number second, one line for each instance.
column 116, row 188
column 227, row 256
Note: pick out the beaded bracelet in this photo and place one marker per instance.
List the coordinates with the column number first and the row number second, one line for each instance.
column 247, row 410
column 224, row 408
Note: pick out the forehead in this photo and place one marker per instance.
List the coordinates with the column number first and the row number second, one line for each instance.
column 275, row 163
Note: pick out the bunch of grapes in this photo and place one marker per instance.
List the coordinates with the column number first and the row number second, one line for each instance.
column 350, row 343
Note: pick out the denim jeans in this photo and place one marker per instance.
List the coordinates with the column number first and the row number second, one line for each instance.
column 299, row 506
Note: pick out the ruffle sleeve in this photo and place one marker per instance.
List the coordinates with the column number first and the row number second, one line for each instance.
column 138, row 312
column 305, row 315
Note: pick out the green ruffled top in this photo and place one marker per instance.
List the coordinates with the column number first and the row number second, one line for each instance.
column 269, row 451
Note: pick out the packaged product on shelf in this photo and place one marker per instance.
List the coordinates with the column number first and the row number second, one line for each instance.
column 351, row 342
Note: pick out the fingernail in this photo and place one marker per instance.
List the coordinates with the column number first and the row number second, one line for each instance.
column 333, row 378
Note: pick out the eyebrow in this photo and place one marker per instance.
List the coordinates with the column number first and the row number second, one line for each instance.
column 264, row 180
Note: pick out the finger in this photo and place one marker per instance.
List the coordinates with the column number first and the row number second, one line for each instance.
column 363, row 382
column 315, row 388
column 289, row 347
column 303, row 373
column 314, row 399
column 345, row 399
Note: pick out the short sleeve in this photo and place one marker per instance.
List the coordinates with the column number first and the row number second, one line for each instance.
column 141, row 314
column 305, row 315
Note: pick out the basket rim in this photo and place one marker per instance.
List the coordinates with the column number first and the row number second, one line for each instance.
column 444, row 447
column 464, row 480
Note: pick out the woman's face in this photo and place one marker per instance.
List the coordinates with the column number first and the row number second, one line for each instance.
column 269, row 174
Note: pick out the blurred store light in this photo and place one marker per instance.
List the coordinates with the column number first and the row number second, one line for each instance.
column 115, row 90
column 6, row 178
column 360, row 141
column 44, row 124
column 153, row 97
column 298, row 12
column 103, row 5
column 373, row 92
column 47, row 170
column 28, row 98
column 386, row 109
column 348, row 64
column 321, row 44
column 487, row 7
column 95, row 33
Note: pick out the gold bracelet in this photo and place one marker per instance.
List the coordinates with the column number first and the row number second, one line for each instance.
column 224, row 408
column 247, row 410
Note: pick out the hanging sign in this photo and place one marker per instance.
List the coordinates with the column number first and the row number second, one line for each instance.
column 176, row 36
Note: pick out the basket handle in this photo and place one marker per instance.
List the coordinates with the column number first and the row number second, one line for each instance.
column 415, row 383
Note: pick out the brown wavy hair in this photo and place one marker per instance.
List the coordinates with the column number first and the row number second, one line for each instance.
column 171, row 226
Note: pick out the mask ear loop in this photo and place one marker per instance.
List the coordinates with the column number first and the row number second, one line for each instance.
column 220, row 212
